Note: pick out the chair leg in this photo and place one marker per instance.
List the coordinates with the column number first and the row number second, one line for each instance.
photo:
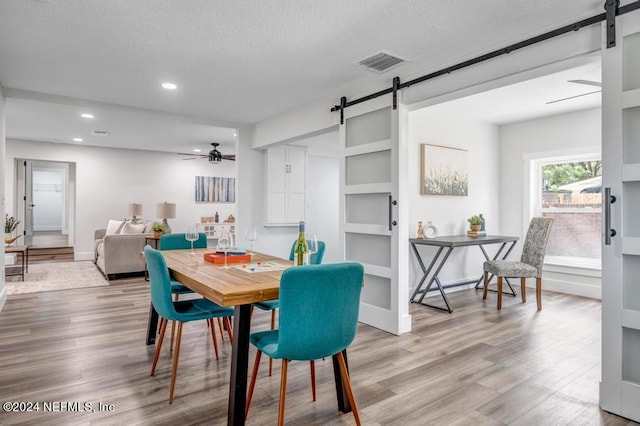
column 273, row 326
column 283, row 391
column 163, row 328
column 347, row 387
column 523, row 289
column 539, row 292
column 229, row 331
column 312, row 367
column 252, row 383
column 499, row 292
column 173, row 325
column 213, row 336
column 221, row 328
column 176, row 355
column 486, row 285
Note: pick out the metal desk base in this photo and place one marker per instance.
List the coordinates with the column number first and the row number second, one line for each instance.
column 450, row 243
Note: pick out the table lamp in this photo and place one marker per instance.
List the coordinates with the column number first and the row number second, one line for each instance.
column 134, row 209
column 166, row 211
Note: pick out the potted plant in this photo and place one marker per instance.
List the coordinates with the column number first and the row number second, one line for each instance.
column 158, row 229
column 10, row 224
column 475, row 222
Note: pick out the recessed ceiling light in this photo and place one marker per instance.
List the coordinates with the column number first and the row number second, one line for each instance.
column 86, row 115
column 169, row 86
column 196, row 150
column 78, row 139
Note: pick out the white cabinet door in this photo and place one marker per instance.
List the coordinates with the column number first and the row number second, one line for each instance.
column 286, row 185
column 620, row 386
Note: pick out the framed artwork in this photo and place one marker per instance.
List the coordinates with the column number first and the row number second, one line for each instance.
column 444, row 170
column 215, row 189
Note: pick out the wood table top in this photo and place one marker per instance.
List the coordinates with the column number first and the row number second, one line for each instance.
column 226, row 287
column 15, row 249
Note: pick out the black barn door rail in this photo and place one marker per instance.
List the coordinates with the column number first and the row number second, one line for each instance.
column 612, row 9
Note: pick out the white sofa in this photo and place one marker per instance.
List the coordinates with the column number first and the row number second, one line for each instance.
column 118, row 247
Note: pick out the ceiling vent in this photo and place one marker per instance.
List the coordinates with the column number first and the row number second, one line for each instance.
column 381, row 62
column 99, row 133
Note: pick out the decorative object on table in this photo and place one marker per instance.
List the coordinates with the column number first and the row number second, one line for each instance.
column 166, row 211
column 211, row 189
column 216, row 218
column 475, row 222
column 251, row 235
column 158, row 229
column 191, row 235
column 10, row 224
column 430, row 231
column 134, row 209
column 300, row 250
column 420, row 231
column 226, row 258
column 444, row 171
column 224, row 243
column 482, row 225
column 230, row 219
column 10, row 240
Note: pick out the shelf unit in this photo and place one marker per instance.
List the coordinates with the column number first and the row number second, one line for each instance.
column 214, row 229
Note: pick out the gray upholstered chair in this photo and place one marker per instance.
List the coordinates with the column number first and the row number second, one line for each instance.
column 530, row 264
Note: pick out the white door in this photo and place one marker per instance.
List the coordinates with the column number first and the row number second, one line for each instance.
column 373, row 209
column 620, row 386
column 24, row 201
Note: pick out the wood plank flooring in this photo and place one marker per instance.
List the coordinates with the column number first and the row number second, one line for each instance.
column 476, row 366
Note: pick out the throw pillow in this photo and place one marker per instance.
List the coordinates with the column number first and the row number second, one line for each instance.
column 132, row 228
column 114, row 227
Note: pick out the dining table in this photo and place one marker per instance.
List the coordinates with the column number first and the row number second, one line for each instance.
column 238, row 285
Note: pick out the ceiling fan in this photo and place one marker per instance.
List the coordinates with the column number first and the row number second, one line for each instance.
column 587, row 82
column 214, row 155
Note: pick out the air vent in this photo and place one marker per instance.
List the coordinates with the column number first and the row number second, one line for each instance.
column 381, row 62
column 99, row 133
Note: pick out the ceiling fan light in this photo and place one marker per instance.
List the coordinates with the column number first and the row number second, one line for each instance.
column 215, row 156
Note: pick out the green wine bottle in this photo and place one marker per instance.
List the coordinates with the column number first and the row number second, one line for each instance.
column 300, row 250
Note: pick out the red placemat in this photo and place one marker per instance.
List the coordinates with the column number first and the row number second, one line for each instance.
column 231, row 258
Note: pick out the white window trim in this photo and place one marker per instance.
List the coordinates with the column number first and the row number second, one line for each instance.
column 532, row 182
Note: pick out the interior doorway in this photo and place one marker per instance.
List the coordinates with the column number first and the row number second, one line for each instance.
column 45, row 202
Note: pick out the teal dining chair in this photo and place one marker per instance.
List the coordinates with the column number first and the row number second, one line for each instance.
column 179, row 242
column 272, row 305
column 181, row 311
column 319, row 307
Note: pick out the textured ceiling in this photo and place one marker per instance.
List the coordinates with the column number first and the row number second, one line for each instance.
column 241, row 61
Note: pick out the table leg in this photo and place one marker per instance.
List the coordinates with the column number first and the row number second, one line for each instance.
column 425, row 270
column 152, row 326
column 343, row 401
column 239, row 365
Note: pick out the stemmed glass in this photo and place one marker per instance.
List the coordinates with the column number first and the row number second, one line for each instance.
column 251, row 235
column 223, row 246
column 191, row 235
column 312, row 245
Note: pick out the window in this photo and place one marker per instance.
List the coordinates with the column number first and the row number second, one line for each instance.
column 569, row 189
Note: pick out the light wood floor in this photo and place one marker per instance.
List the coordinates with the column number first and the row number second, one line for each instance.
column 475, row 366
column 49, row 239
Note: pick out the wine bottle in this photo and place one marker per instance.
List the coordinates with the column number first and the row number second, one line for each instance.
column 300, row 251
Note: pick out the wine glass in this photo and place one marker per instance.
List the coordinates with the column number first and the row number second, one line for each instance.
column 223, row 246
column 312, row 245
column 251, row 235
column 191, row 235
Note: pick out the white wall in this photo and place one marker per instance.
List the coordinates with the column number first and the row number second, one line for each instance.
column 577, row 132
column 438, row 126
column 108, row 179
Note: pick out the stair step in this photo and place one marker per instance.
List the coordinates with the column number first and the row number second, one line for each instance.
column 50, row 254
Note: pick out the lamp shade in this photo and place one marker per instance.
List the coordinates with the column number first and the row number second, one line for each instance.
column 166, row 210
column 134, row 209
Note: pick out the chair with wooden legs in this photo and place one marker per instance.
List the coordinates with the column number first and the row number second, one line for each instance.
column 181, row 311
column 318, row 319
column 529, row 266
column 179, row 242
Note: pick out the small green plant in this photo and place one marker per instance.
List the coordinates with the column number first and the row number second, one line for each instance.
column 158, row 227
column 475, row 220
column 10, row 223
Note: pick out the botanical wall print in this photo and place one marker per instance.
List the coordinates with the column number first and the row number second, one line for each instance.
column 444, row 171
column 215, row 189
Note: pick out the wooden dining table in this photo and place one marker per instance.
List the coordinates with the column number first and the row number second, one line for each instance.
column 237, row 286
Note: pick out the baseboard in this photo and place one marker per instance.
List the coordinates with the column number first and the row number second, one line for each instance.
column 83, row 256
column 569, row 287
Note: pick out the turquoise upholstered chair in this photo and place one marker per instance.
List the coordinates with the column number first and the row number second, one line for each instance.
column 318, row 318
column 272, row 305
column 181, row 311
column 530, row 264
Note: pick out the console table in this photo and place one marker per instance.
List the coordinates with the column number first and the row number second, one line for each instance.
column 11, row 270
column 450, row 243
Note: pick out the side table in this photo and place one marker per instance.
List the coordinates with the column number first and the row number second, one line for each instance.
column 21, row 269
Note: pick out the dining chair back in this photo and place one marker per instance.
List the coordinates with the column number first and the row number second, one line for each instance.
column 529, row 266
column 179, row 311
column 179, row 242
column 319, row 307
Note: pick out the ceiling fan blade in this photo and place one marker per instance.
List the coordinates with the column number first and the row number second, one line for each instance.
column 231, row 157
column 572, row 97
column 192, row 158
column 588, row 82
column 191, row 155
